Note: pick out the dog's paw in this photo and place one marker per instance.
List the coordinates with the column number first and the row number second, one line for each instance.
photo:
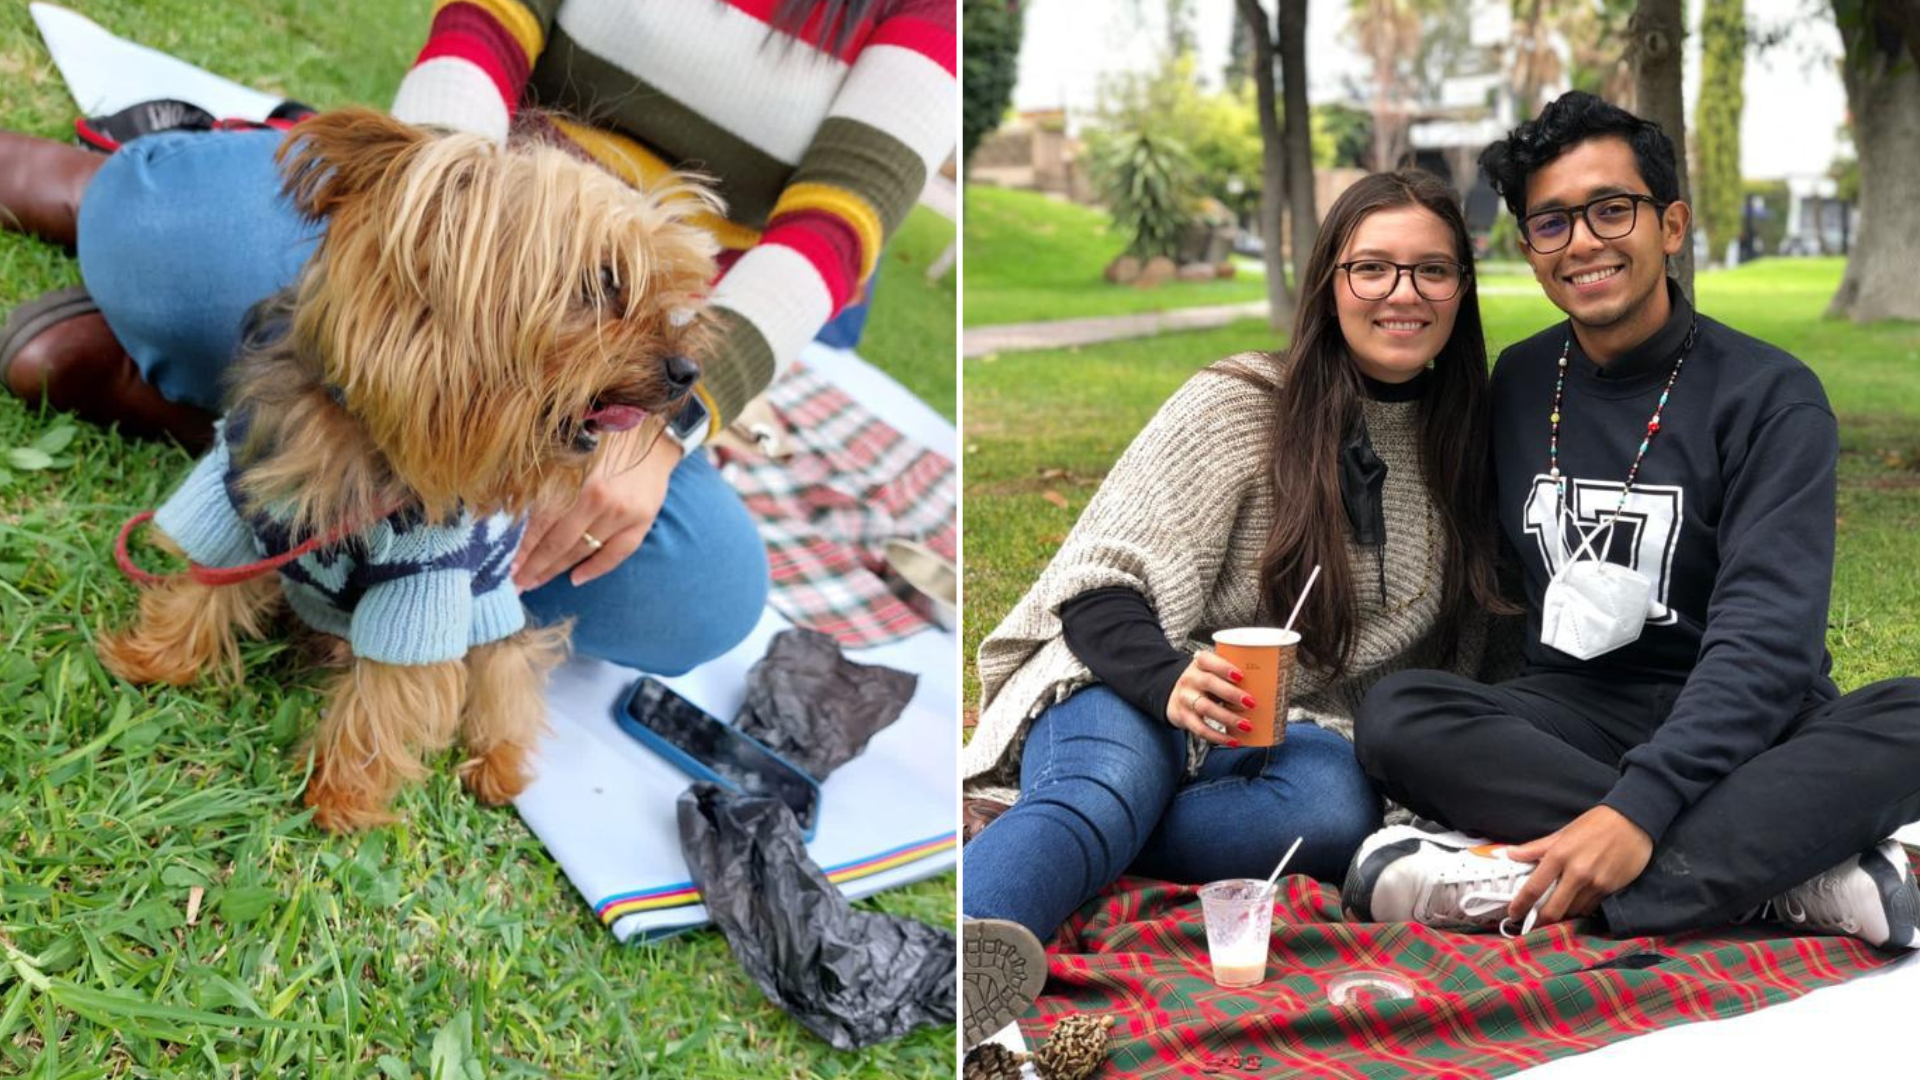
column 143, row 662
column 497, row 777
column 339, row 809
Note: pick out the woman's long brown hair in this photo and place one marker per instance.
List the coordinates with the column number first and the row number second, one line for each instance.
column 1317, row 404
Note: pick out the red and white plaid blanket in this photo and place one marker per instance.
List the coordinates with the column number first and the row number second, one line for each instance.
column 826, row 513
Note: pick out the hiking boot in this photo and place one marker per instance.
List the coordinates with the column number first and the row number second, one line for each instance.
column 1871, row 896
column 1002, row 970
column 1446, row 880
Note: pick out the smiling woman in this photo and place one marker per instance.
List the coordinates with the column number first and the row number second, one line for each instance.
column 1395, row 315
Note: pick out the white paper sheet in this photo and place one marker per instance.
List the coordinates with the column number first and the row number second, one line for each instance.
column 105, row 73
column 604, row 805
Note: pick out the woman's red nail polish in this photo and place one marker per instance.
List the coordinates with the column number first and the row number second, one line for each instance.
column 1235, row 743
column 1235, row 676
column 1244, row 726
column 1247, row 701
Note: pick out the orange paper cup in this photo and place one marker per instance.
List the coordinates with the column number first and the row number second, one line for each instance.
column 1264, row 655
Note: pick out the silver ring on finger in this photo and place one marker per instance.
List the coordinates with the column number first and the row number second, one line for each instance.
column 1193, row 703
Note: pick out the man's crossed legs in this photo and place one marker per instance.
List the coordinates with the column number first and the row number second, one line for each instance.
column 1801, row 826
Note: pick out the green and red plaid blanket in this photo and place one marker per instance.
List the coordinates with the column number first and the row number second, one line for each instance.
column 1485, row 1006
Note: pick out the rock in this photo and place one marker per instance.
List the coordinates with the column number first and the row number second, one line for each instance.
column 1123, row 270
column 1224, row 271
column 1196, row 271
column 1158, row 269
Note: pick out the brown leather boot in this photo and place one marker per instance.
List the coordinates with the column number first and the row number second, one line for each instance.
column 41, row 182
column 78, row 366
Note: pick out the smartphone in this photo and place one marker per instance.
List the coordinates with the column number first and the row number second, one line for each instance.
column 706, row 749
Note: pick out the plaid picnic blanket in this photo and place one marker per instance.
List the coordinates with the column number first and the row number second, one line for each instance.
column 827, row 512
column 1484, row 1006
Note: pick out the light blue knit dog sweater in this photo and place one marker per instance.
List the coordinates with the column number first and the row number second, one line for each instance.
column 401, row 591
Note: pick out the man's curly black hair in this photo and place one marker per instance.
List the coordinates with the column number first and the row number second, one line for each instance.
column 1568, row 120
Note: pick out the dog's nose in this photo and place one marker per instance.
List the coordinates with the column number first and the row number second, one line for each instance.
column 681, row 373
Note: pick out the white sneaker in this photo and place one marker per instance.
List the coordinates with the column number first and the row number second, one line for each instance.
column 1446, row 880
column 1871, row 896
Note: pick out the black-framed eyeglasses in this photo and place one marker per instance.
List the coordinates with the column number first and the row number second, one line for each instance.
column 1375, row 279
column 1609, row 217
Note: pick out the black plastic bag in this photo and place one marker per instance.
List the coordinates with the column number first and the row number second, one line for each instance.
column 815, row 707
column 854, row 978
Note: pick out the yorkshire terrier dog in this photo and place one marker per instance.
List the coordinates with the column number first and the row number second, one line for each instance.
column 474, row 320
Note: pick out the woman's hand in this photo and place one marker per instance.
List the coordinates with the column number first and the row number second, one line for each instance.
column 1209, row 691
column 616, row 508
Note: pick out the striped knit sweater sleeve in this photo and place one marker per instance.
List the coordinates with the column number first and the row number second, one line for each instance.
column 852, row 135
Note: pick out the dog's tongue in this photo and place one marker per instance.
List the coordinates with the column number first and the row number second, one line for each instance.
column 617, row 417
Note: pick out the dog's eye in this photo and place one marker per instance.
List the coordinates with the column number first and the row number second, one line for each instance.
column 610, row 289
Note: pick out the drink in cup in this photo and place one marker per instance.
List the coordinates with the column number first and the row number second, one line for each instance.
column 1239, row 916
column 1264, row 656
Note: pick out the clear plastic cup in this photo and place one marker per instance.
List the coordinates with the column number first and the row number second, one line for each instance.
column 1239, row 916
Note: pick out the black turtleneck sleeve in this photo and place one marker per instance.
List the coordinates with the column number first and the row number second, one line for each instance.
column 1117, row 634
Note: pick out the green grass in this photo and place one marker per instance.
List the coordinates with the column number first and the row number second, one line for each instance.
column 447, row 945
column 1052, row 422
column 912, row 334
column 1030, row 259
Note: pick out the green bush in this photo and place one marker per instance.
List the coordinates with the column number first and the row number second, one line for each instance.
column 1147, row 182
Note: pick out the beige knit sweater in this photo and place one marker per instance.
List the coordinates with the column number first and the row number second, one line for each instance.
column 1182, row 518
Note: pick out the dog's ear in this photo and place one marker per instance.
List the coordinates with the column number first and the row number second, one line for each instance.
column 330, row 158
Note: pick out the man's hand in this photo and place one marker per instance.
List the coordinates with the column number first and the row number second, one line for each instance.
column 616, row 507
column 1594, row 856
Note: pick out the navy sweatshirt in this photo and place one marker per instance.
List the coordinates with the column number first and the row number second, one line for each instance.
column 1731, row 518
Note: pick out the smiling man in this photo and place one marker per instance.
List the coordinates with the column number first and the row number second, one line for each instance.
column 1674, row 754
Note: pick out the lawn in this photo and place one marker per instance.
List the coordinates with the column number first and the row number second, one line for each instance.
column 1030, row 258
column 447, row 945
column 1043, row 427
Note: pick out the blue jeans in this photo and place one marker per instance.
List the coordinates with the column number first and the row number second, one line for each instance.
column 1101, row 794
column 181, row 233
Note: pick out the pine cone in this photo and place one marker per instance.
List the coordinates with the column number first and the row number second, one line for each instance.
column 991, row 1061
column 1075, row 1048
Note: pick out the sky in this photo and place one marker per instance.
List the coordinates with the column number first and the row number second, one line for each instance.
column 1794, row 100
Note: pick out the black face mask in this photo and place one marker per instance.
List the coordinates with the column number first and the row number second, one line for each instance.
column 1363, row 482
column 1363, row 479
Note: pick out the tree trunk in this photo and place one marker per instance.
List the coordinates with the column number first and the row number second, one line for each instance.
column 1657, row 30
column 1273, row 182
column 1882, row 279
column 1526, row 74
column 1299, row 134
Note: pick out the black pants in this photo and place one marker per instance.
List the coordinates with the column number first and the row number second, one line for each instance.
column 1516, row 761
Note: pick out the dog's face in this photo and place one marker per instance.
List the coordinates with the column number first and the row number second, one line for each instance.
column 490, row 314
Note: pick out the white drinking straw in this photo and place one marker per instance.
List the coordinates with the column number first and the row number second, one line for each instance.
column 1284, row 860
column 1297, row 604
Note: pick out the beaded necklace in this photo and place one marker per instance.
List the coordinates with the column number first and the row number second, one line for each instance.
column 1653, row 425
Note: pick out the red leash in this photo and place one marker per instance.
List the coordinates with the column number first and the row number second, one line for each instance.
column 214, row 575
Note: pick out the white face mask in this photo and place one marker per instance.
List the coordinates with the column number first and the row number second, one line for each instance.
column 1593, row 607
